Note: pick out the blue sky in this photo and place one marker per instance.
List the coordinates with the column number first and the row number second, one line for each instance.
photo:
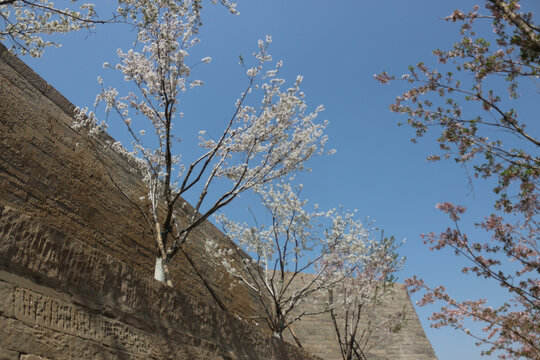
column 337, row 46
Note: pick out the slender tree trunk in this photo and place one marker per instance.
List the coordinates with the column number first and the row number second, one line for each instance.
column 161, row 272
column 280, row 327
column 292, row 333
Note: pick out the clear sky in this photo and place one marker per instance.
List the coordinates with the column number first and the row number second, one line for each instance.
column 337, row 46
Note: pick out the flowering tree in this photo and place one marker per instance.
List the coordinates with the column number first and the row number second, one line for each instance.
column 25, row 22
column 498, row 145
column 256, row 145
column 355, row 302
column 331, row 246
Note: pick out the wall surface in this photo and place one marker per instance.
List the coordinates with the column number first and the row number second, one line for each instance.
column 77, row 258
column 63, row 299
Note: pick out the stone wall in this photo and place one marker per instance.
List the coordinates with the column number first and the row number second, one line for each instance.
column 63, row 299
column 77, row 258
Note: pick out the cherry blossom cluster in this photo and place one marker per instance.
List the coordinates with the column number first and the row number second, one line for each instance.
column 335, row 247
column 258, row 144
column 511, row 259
column 355, row 302
column 509, row 255
column 25, row 22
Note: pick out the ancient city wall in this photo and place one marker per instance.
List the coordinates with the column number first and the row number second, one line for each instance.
column 77, row 258
column 63, row 299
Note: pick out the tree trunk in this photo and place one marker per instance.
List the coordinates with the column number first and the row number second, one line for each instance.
column 161, row 272
column 292, row 333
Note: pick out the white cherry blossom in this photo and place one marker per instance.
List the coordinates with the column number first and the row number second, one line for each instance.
column 340, row 254
column 257, row 145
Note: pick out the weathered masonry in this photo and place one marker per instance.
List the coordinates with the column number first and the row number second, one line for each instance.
column 76, row 259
